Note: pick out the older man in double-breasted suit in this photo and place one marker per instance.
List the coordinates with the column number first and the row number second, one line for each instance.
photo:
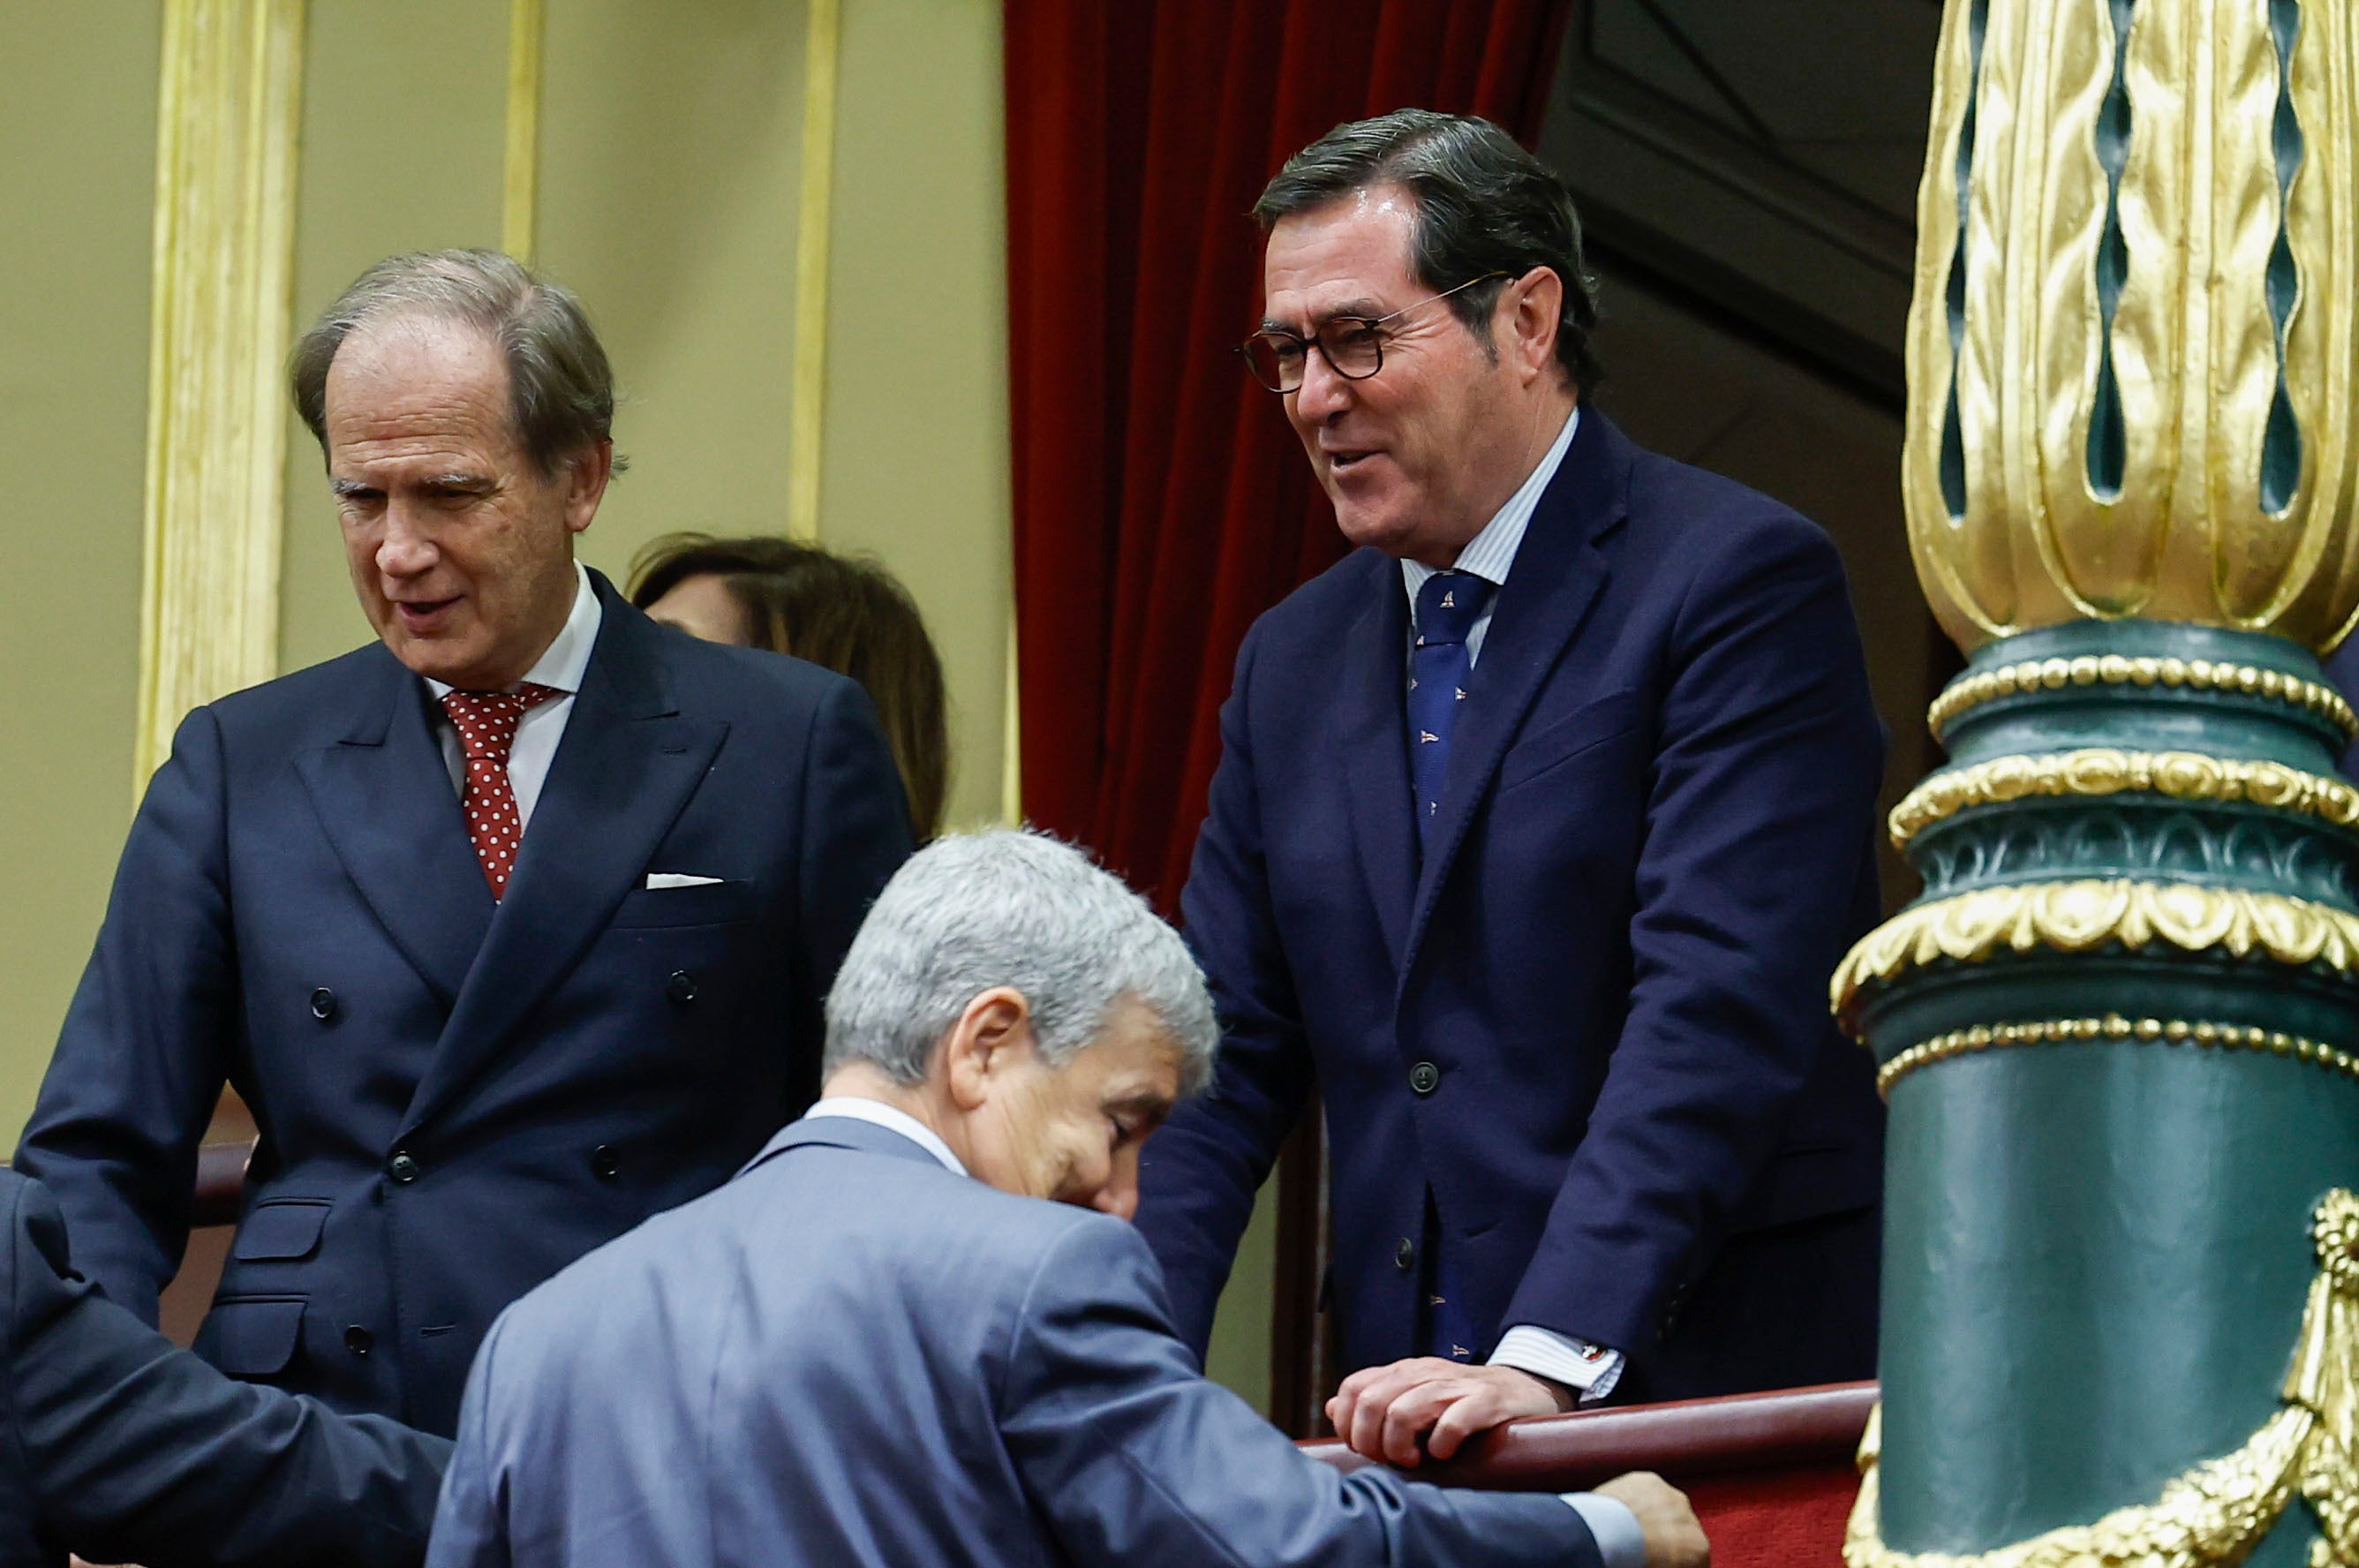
column 512, row 928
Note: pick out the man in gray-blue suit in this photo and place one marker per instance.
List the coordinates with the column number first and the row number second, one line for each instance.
column 877, row 1345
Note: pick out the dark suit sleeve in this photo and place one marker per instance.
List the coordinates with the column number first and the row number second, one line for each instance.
column 1132, row 1456
column 139, row 1452
column 855, row 835
column 143, row 1055
column 1761, row 807
column 1199, row 1173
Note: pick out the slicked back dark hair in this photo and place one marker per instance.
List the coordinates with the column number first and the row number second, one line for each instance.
column 561, row 389
column 1483, row 205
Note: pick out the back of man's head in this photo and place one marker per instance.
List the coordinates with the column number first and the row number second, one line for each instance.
column 1018, row 909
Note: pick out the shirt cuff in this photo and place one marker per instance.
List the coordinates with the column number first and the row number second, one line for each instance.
column 1590, row 1370
column 1620, row 1542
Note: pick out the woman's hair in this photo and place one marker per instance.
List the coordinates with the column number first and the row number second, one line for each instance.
column 847, row 613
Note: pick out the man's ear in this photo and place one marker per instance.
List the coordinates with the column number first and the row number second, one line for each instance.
column 1533, row 304
column 585, row 477
column 992, row 1033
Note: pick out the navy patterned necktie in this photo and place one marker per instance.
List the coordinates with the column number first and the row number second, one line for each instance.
column 1447, row 605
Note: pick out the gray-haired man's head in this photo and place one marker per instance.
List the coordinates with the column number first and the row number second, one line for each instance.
column 1029, row 1007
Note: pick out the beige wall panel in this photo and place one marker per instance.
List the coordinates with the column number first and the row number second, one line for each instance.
column 77, row 184
column 915, row 461
column 669, row 151
column 404, row 110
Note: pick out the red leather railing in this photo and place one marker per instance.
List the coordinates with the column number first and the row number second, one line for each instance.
column 1772, row 1476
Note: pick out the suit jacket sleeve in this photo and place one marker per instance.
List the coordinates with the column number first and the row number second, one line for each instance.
column 143, row 1055
column 1767, row 760
column 470, row 1526
column 855, row 835
column 1199, row 1171
column 139, row 1452
column 1133, row 1456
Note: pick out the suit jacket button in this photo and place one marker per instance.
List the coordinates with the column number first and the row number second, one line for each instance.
column 605, row 1163
column 358, row 1340
column 402, row 1167
column 323, row 1004
column 1405, row 1255
column 682, row 987
column 1424, row 1078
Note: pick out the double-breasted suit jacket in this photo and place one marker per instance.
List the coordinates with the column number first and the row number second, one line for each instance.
column 1590, row 1018
column 456, row 1097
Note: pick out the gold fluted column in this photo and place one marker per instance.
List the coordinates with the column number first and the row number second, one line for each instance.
column 2132, row 345
column 2118, row 1033
column 228, row 109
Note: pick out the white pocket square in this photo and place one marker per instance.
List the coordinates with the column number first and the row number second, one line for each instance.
column 678, row 879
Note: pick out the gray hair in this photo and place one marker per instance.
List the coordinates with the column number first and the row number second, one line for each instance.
column 1017, row 909
column 561, row 389
column 1483, row 205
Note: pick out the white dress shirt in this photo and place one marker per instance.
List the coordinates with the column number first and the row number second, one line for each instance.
column 1591, row 1370
column 561, row 669
column 893, row 1119
column 1620, row 1541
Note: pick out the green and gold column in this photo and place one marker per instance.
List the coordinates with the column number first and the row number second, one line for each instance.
column 2119, row 1033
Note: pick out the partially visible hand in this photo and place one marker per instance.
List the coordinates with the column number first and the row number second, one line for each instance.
column 1381, row 1411
column 1674, row 1538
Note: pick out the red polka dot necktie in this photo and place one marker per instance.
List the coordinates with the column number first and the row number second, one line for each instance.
column 486, row 723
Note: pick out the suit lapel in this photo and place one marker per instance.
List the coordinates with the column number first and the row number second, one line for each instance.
column 624, row 771
column 1375, row 751
column 1558, row 571
column 386, row 801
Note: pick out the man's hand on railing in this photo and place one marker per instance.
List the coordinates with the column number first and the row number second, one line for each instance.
column 1674, row 1537
column 1383, row 1411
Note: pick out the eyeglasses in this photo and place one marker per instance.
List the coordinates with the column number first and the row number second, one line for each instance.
column 1354, row 346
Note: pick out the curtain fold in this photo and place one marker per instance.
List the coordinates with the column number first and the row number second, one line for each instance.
column 1161, row 502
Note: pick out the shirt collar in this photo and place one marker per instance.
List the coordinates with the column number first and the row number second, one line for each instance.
column 861, row 1108
column 1490, row 553
column 565, row 661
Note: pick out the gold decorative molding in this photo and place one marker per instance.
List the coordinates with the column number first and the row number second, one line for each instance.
column 2105, row 770
column 2115, row 1028
column 520, row 164
column 807, row 428
column 2114, row 670
column 2214, row 1514
column 2132, row 322
column 2077, row 916
column 228, row 110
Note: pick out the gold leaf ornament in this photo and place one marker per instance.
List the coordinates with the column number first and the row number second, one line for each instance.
column 2081, row 915
column 2214, row 1515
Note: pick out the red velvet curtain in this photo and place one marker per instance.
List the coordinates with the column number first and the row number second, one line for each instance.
column 1161, row 502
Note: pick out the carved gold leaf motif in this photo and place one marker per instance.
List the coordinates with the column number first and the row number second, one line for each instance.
column 2132, row 329
column 2079, row 915
column 2214, row 1514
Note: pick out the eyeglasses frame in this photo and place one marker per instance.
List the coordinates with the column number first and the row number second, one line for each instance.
column 1244, row 350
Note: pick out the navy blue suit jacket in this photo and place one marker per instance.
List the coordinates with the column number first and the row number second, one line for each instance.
column 456, row 1097
column 852, row 1356
column 116, row 1444
column 1653, row 846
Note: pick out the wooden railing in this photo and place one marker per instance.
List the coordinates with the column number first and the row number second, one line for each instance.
column 1771, row 1476
column 221, row 1183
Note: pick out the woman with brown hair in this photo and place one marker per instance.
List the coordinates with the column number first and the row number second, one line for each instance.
column 849, row 614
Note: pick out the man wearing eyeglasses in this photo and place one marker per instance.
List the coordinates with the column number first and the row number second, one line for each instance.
column 1539, row 822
